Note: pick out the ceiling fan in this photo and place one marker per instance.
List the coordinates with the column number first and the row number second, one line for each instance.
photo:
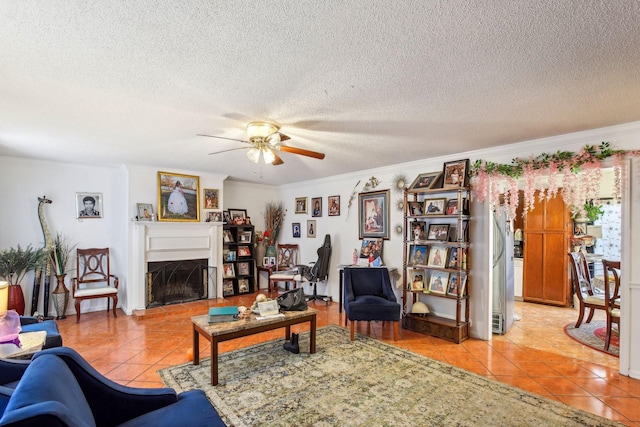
column 265, row 140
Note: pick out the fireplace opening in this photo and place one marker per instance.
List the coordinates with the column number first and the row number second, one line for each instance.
column 174, row 282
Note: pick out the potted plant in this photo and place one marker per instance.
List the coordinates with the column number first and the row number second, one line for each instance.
column 588, row 212
column 60, row 256
column 15, row 263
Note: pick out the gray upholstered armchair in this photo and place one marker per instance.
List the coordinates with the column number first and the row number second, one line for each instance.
column 368, row 295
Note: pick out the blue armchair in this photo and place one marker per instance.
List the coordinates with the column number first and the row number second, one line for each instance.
column 368, row 295
column 59, row 388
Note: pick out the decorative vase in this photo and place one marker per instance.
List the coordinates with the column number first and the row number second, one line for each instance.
column 16, row 299
column 259, row 253
column 61, row 297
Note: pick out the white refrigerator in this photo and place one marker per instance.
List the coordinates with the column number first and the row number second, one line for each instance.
column 503, row 282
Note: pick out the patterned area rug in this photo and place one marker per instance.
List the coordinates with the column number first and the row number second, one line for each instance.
column 361, row 383
column 593, row 335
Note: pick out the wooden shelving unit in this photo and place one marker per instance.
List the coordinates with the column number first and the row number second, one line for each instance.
column 454, row 301
column 238, row 268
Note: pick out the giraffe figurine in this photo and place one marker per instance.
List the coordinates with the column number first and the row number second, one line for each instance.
column 48, row 245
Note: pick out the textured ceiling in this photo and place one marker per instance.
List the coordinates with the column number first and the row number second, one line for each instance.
column 368, row 83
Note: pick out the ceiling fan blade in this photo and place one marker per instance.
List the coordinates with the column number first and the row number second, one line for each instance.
column 223, row 137
column 301, row 151
column 278, row 160
column 230, row 149
column 283, row 137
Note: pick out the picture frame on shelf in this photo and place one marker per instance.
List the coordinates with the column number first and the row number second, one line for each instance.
column 418, row 230
column 452, row 207
column 214, row 216
column 211, row 197
column 463, row 285
column 417, row 277
column 455, row 174
column 227, row 288
column 373, row 214
column 228, row 271
column 145, row 211
column 295, row 229
column 243, row 268
column 237, row 216
column 415, row 208
column 316, row 207
column 418, row 254
column 371, row 249
column 437, row 256
column 265, row 261
column 244, row 251
column 434, row 206
column 334, row 205
column 452, row 235
column 452, row 286
column 425, row 180
column 227, row 237
column 301, row 205
column 178, row 197
column 244, row 236
column 453, row 261
column 311, row 228
column 438, row 232
column 89, row 205
column 229, row 255
column 243, row 286
column 272, row 260
column 438, row 282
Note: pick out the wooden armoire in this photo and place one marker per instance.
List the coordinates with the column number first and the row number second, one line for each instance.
column 546, row 276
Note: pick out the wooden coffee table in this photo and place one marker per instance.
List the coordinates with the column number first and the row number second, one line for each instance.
column 218, row 332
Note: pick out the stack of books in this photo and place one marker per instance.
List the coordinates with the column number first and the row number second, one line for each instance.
column 223, row 314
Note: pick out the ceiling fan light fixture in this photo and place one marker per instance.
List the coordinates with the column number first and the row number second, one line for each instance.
column 274, row 139
column 268, row 156
column 261, row 130
column 254, row 155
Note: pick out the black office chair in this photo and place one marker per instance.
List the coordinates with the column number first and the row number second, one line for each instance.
column 320, row 271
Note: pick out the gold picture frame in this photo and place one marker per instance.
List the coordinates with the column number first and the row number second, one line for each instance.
column 178, row 197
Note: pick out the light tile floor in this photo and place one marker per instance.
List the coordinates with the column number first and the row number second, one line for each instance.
column 534, row 355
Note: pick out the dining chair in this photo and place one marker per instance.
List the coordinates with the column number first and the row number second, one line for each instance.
column 611, row 297
column 583, row 288
column 286, row 269
column 94, row 279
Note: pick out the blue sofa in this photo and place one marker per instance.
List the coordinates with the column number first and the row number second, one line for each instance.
column 59, row 388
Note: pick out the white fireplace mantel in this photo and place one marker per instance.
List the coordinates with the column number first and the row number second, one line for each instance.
column 169, row 241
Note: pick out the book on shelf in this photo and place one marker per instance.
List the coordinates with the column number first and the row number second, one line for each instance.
column 223, row 314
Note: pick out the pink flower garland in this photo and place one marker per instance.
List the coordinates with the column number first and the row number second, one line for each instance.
column 581, row 174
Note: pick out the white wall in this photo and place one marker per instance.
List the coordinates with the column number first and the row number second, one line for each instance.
column 26, row 180
column 252, row 197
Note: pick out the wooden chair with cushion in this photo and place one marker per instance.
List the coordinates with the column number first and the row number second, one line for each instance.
column 583, row 288
column 611, row 297
column 94, row 279
column 286, row 269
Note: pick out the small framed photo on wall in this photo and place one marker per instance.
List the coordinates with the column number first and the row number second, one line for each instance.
column 295, row 229
column 89, row 205
column 301, row 205
column 211, row 198
column 311, row 228
column 334, row 205
column 316, row 202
